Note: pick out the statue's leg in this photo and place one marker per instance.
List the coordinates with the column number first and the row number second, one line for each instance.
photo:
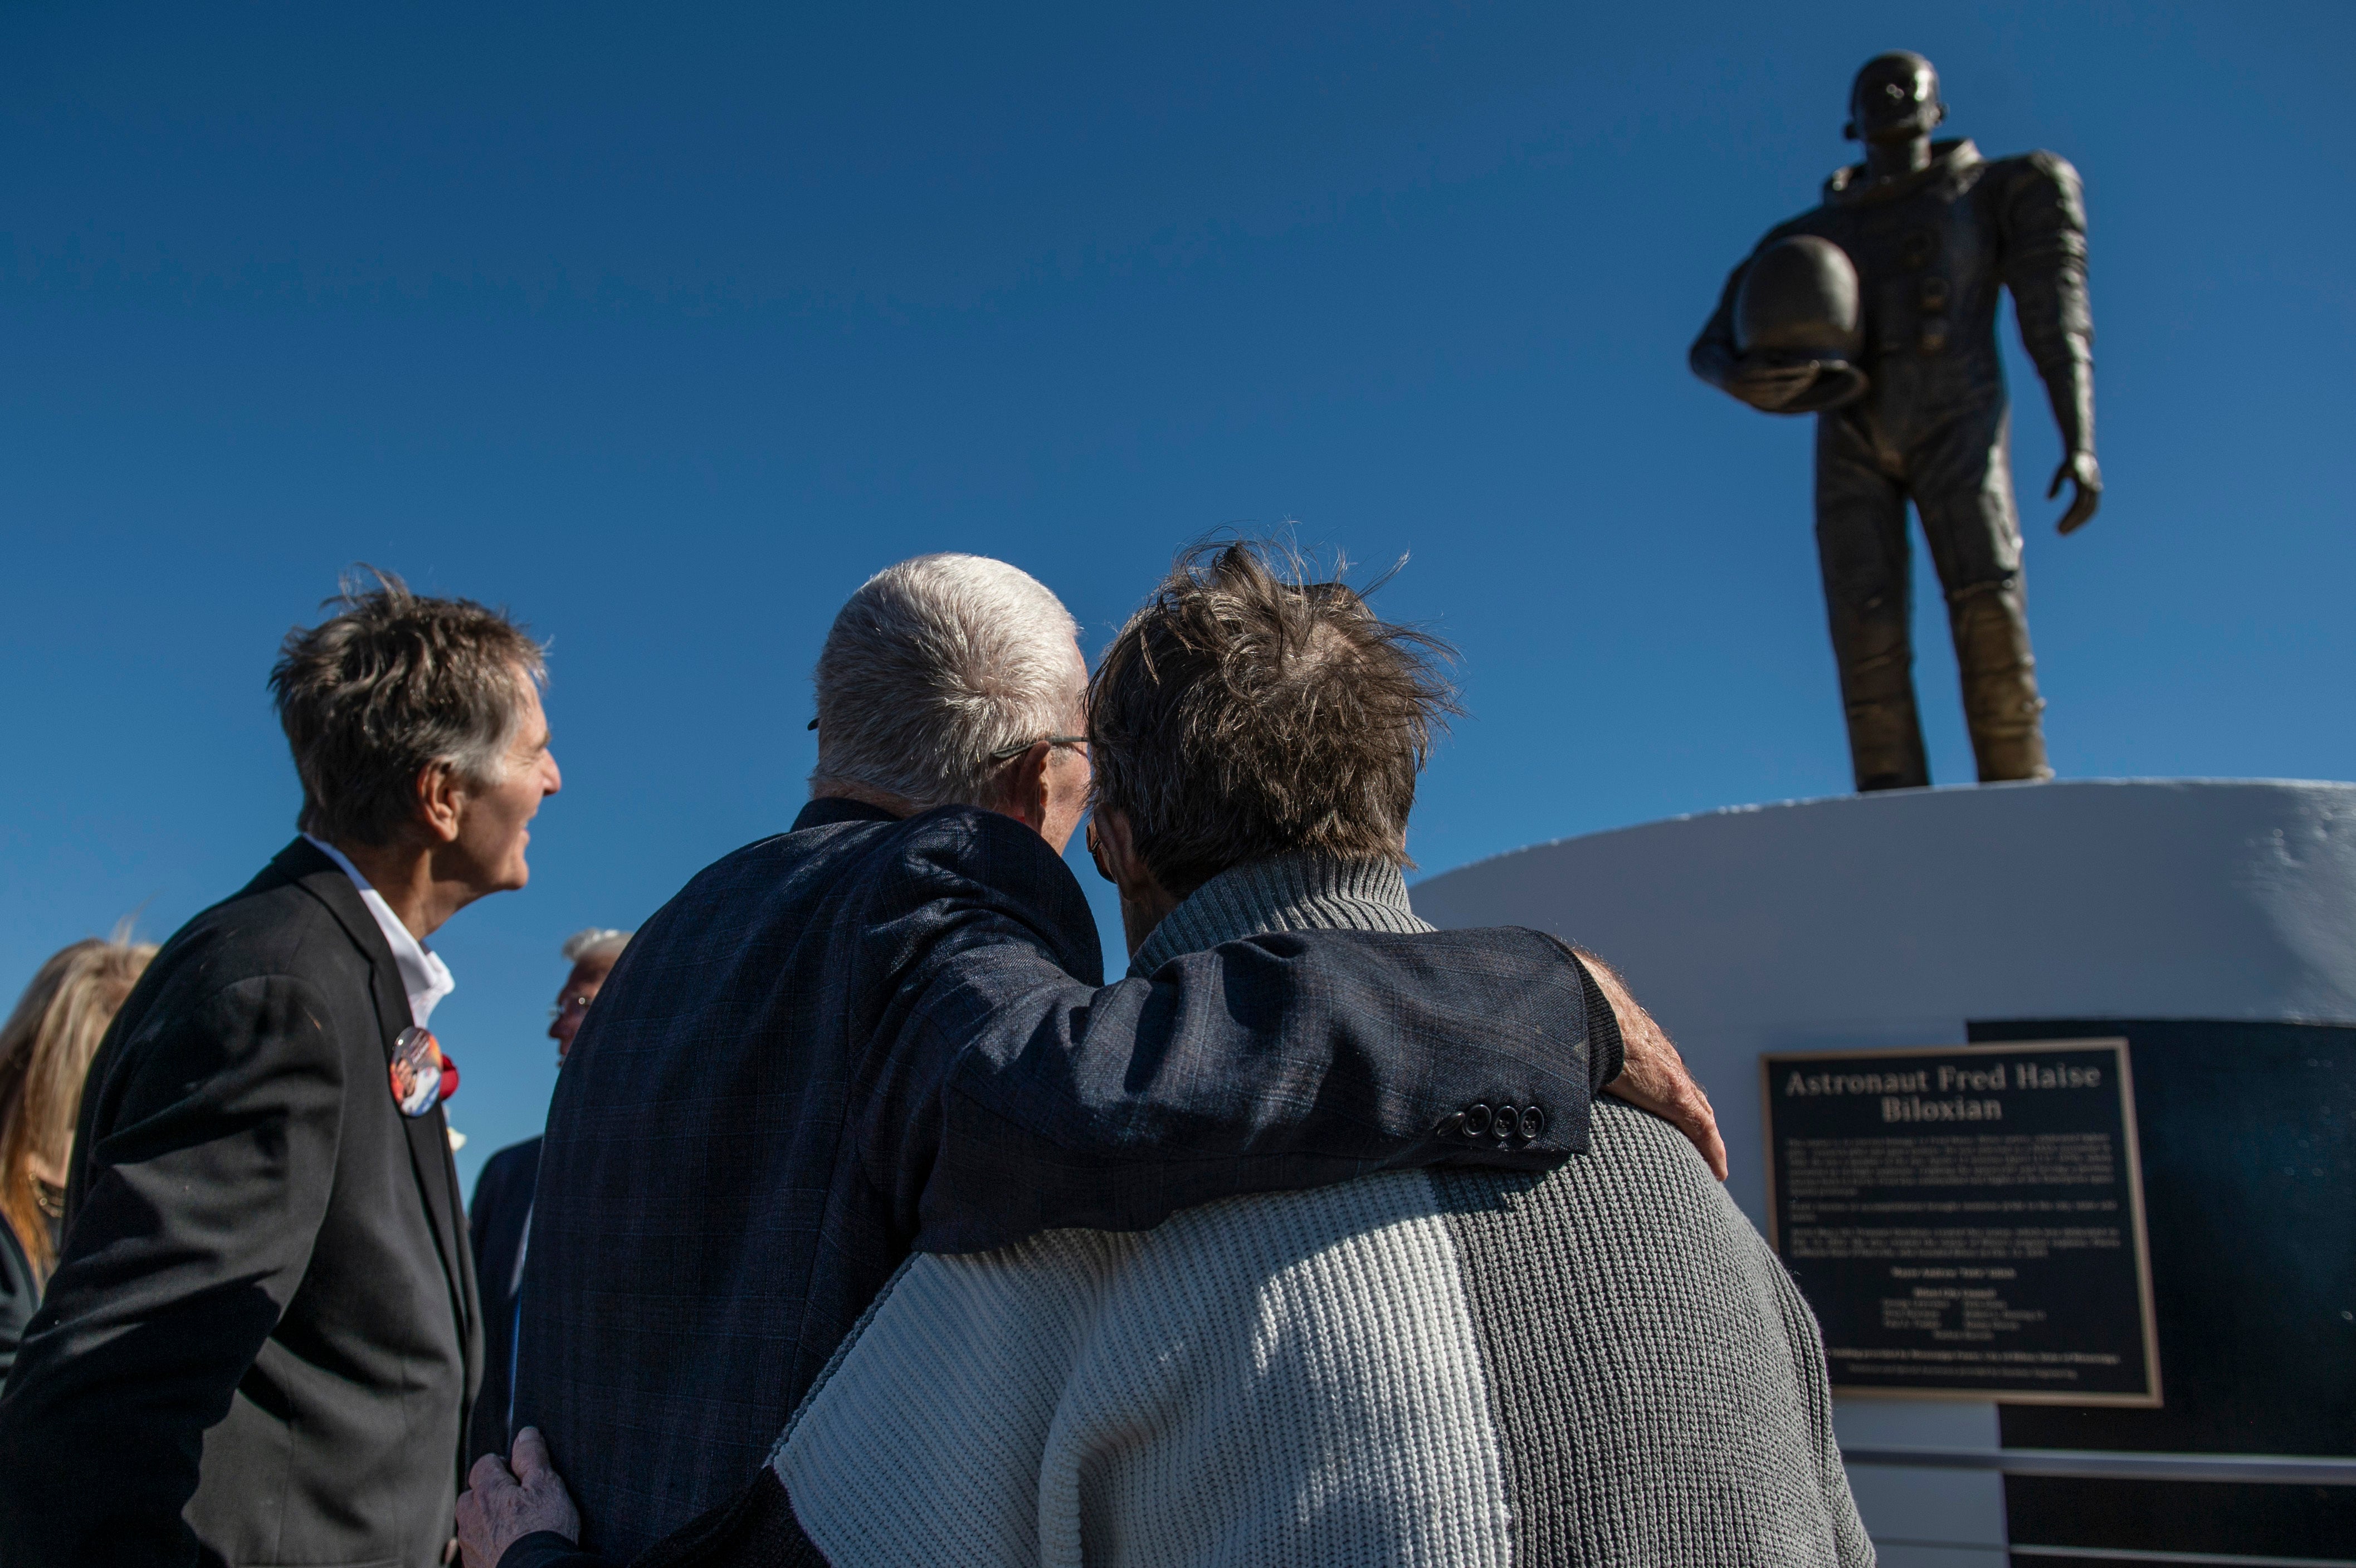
column 1962, row 487
column 1862, row 548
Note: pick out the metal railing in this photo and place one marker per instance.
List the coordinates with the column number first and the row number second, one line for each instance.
column 2114, row 1465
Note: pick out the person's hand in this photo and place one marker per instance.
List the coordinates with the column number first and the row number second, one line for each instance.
column 1769, row 385
column 500, row 1507
column 1654, row 1077
column 2079, row 469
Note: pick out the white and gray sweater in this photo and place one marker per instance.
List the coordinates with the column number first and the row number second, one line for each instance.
column 1602, row 1364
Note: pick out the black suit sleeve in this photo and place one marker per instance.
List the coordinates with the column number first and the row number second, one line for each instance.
column 478, row 1212
column 21, row 1294
column 1607, row 1048
column 195, row 1206
column 1004, row 1098
column 754, row 1529
column 547, row 1548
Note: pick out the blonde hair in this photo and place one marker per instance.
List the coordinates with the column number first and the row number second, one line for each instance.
column 45, row 1053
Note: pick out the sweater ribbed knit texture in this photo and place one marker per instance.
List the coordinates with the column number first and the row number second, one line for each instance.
column 1289, row 892
column 1600, row 1364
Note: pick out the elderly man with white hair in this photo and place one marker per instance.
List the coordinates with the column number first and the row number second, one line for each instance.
column 500, row 1216
column 886, row 1030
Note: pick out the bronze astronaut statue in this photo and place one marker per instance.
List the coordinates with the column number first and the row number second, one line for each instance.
column 1888, row 335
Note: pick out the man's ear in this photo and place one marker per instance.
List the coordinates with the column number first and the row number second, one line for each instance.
column 1112, row 843
column 1111, row 846
column 1145, row 903
column 1023, row 788
column 438, row 794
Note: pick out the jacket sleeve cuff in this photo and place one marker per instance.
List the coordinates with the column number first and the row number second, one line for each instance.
column 1607, row 1053
column 546, row 1549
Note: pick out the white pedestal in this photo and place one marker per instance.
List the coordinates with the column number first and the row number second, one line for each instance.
column 1891, row 919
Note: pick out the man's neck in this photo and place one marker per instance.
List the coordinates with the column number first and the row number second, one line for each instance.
column 1143, row 911
column 881, row 800
column 404, row 876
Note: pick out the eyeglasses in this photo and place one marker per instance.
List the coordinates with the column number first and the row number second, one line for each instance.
column 1016, row 750
column 569, row 1008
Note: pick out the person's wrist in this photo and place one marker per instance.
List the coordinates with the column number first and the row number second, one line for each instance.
column 539, row 1549
column 1607, row 1046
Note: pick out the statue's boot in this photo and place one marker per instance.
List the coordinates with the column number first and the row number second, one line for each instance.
column 1990, row 622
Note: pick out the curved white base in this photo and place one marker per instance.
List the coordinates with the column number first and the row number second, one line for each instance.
column 1892, row 919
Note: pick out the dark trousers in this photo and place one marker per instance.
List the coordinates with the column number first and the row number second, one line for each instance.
column 1956, row 466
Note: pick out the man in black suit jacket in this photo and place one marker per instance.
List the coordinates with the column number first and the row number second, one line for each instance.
column 262, row 1336
column 503, row 1199
column 497, row 1220
column 886, row 1030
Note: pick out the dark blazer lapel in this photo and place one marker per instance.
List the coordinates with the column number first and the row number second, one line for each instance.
column 429, row 1135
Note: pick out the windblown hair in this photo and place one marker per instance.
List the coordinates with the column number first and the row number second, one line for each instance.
column 1248, row 711
column 596, row 942
column 392, row 684
column 46, row 1049
column 932, row 666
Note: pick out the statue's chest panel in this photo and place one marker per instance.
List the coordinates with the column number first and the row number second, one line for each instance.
column 1928, row 272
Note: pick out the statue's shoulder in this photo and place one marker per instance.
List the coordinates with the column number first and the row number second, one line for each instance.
column 2037, row 168
column 2036, row 192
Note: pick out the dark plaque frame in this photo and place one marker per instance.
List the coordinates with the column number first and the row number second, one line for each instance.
column 2054, row 1294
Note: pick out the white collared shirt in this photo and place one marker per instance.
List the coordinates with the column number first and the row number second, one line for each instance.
column 423, row 974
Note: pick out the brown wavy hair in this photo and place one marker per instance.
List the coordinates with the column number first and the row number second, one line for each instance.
column 45, row 1053
column 394, row 682
column 1248, row 710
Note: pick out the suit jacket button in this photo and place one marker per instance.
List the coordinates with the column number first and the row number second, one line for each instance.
column 1508, row 1119
column 1476, row 1119
column 1453, row 1126
column 1533, row 1121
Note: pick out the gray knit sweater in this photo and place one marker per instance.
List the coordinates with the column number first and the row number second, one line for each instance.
column 1603, row 1364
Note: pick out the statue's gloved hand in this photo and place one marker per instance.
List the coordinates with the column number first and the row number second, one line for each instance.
column 2079, row 469
column 1771, row 383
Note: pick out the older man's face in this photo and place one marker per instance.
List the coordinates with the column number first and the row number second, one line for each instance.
column 495, row 822
column 581, row 988
column 1068, row 769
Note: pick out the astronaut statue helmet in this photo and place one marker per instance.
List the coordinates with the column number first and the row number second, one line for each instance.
column 1800, row 293
column 1799, row 302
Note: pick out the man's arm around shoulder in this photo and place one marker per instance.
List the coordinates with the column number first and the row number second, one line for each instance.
column 1000, row 1096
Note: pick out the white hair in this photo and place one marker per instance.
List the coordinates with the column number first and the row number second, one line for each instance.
column 596, row 942
column 934, row 664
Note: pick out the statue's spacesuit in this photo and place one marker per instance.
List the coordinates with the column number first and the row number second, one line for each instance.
column 1932, row 246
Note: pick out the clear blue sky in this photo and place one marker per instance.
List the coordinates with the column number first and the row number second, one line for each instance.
column 665, row 326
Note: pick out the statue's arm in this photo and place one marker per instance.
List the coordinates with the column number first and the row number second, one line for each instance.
column 1713, row 357
column 1770, row 383
column 2044, row 223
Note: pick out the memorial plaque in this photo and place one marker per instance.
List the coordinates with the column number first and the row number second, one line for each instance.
column 1966, row 1221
